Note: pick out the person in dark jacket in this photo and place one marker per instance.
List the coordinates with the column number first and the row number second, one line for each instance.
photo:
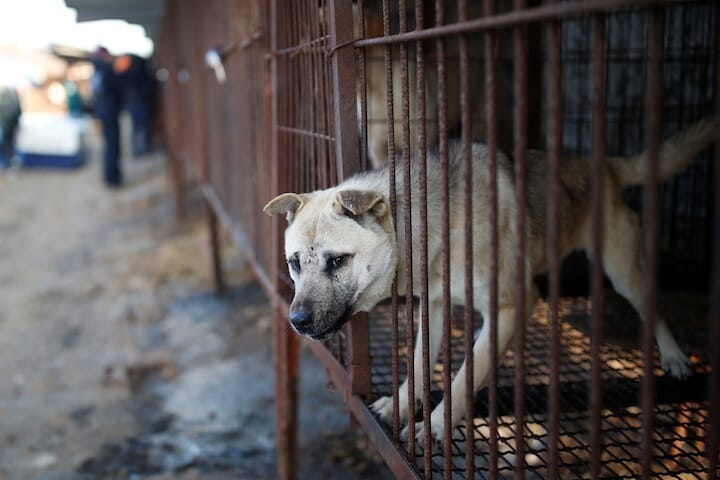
column 139, row 97
column 107, row 95
column 10, row 112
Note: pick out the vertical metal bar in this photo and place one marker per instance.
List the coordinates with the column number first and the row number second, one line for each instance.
column 215, row 250
column 332, row 166
column 298, row 99
column 268, row 148
column 199, row 94
column 214, row 157
column 286, row 345
column 287, row 359
column 535, row 93
column 219, row 170
column 345, row 100
column 596, row 191
column 305, row 80
column 184, row 79
column 178, row 166
column 346, row 136
column 712, row 26
column 553, row 242
column 520, row 152
column 282, row 455
column 290, row 341
column 358, row 338
column 653, row 122
column 714, row 318
column 308, row 10
column 395, row 340
column 301, row 100
column 321, row 72
column 339, row 348
column 201, row 88
column 323, row 85
column 424, row 297
column 407, row 202
column 293, row 99
column 492, row 147
column 363, row 90
column 239, row 151
column 276, row 256
column 311, row 14
column 465, row 114
column 445, row 193
column 244, row 192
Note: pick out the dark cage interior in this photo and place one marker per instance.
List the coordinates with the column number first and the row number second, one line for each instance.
column 689, row 50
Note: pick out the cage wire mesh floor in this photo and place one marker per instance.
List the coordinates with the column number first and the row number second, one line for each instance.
column 681, row 413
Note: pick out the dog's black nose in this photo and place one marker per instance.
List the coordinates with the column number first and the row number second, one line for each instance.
column 301, row 319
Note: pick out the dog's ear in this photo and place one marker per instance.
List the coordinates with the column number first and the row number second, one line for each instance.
column 354, row 203
column 288, row 203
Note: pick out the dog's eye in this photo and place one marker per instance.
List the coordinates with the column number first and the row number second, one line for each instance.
column 294, row 264
column 335, row 263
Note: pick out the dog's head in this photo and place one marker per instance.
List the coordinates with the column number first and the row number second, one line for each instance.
column 341, row 254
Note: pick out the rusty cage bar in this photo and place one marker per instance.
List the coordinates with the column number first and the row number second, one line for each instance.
column 315, row 91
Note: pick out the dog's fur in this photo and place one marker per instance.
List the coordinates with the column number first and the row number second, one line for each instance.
column 343, row 249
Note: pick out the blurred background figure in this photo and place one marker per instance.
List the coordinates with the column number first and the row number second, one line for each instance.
column 107, row 95
column 10, row 112
column 74, row 101
column 138, row 86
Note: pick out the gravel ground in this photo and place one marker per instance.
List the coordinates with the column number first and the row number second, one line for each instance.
column 118, row 360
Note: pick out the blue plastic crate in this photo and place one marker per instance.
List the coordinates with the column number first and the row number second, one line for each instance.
column 42, row 160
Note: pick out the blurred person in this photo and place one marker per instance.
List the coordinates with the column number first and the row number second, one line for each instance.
column 138, row 97
column 107, row 95
column 75, row 103
column 10, row 112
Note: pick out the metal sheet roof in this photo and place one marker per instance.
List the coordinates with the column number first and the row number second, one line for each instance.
column 146, row 13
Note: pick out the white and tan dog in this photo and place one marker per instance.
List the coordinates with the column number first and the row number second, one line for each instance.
column 343, row 248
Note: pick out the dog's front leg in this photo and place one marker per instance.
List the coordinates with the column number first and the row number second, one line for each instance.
column 384, row 405
column 481, row 364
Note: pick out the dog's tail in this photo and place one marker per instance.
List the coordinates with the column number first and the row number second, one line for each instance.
column 675, row 153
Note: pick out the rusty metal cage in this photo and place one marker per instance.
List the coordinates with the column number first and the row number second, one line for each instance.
column 318, row 90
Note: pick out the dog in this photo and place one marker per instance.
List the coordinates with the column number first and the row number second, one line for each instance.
column 343, row 248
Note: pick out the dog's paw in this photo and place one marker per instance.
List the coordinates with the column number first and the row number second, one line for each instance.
column 383, row 407
column 678, row 365
column 437, row 430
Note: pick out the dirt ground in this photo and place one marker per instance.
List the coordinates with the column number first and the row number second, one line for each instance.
column 119, row 362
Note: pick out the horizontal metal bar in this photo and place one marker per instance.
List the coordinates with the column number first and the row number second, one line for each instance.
column 301, row 47
column 307, row 133
column 514, row 18
column 228, row 48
